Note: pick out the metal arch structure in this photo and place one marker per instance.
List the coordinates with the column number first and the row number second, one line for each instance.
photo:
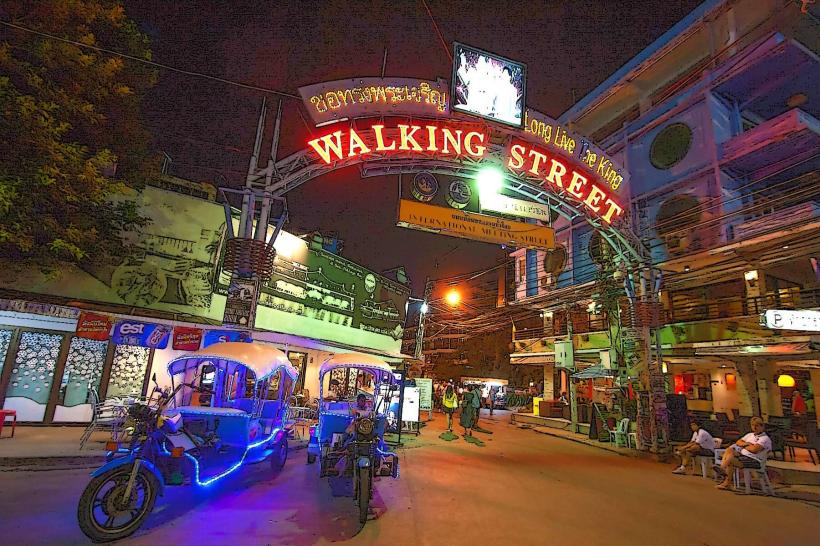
column 279, row 177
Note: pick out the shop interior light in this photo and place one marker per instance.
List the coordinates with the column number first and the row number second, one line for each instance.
column 785, row 380
column 750, row 275
column 453, row 297
column 490, row 180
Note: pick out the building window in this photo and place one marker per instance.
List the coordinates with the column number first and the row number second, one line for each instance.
column 670, row 146
column 522, row 269
column 32, row 375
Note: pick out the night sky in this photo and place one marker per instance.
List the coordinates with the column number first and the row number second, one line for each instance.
column 208, row 127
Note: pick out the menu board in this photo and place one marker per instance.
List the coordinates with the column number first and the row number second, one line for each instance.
column 425, row 386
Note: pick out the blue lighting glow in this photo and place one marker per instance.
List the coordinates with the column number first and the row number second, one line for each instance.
column 233, row 468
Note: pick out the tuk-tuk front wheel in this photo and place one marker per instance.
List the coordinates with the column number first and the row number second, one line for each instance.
column 280, row 455
column 105, row 515
column 364, row 492
column 311, row 458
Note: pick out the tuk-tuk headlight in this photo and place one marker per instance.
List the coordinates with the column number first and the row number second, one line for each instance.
column 365, row 426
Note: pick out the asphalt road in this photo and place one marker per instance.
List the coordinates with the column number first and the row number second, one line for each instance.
column 521, row 487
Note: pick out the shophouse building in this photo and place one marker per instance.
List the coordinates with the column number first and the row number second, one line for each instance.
column 716, row 122
column 81, row 334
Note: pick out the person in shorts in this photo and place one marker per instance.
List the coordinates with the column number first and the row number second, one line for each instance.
column 748, row 452
column 702, row 444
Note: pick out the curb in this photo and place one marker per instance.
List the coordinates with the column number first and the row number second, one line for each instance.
column 603, row 447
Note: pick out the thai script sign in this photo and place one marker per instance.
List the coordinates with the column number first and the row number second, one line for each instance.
column 93, row 326
column 186, row 339
column 469, row 225
column 778, row 319
column 142, row 334
column 239, row 305
column 21, row 306
column 332, row 101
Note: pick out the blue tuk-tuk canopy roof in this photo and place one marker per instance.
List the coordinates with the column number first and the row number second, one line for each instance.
column 262, row 359
column 360, row 361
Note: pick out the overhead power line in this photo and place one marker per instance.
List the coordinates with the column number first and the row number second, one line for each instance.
column 152, row 63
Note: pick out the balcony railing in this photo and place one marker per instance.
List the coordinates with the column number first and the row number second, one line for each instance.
column 732, row 307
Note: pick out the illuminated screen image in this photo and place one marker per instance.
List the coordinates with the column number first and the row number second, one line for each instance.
column 488, row 85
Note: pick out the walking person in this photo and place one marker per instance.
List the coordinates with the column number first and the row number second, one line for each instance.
column 467, row 417
column 449, row 403
column 493, row 395
column 477, row 403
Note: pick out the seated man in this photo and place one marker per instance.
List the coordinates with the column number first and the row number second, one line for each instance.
column 360, row 409
column 748, row 452
column 701, row 444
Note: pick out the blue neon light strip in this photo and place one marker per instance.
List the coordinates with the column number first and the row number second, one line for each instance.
column 211, row 480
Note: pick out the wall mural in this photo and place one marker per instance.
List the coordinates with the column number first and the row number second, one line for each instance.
column 173, row 266
column 32, row 375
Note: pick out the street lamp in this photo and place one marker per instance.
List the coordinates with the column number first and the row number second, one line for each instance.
column 424, row 307
column 453, row 297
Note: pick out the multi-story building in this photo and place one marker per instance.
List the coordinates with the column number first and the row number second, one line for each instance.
column 716, row 122
column 102, row 330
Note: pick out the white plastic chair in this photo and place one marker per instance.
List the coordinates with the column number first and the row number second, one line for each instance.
column 705, row 461
column 762, row 476
column 621, row 431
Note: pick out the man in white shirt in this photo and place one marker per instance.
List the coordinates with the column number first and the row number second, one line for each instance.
column 748, row 452
column 701, row 444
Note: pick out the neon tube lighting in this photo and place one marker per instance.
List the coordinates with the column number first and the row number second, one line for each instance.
column 233, row 468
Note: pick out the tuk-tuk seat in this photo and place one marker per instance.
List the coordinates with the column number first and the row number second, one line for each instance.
column 332, row 423
column 271, row 408
column 244, row 404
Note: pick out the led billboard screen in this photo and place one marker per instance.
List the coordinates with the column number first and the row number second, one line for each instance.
column 488, row 85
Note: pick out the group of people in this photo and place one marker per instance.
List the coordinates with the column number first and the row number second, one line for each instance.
column 750, row 451
column 468, row 399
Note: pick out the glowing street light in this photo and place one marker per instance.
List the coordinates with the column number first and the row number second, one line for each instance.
column 490, row 180
column 453, row 297
column 424, row 307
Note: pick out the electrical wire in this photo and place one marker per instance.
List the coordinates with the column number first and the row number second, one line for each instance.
column 438, row 32
column 152, row 63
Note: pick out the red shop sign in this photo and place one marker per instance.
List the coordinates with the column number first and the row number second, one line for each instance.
column 187, row 339
column 93, row 326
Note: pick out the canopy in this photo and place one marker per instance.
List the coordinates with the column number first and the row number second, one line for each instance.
column 262, row 359
column 594, row 372
column 360, row 361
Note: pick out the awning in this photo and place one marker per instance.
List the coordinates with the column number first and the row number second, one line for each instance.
column 594, row 372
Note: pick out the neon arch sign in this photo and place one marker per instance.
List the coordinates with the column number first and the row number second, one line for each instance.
column 470, row 143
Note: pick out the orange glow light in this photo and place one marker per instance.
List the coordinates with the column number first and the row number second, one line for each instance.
column 453, row 297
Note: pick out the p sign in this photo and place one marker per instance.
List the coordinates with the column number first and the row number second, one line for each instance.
column 780, row 319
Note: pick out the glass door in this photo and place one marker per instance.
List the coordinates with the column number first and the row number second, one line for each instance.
column 128, row 371
column 82, row 374
column 32, row 375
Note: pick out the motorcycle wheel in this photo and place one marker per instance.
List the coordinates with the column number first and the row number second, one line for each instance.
column 280, row 455
column 364, row 494
column 103, row 516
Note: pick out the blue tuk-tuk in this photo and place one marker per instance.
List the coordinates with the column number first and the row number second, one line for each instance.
column 226, row 408
column 349, row 438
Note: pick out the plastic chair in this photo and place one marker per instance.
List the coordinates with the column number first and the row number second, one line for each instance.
column 762, row 475
column 108, row 415
column 621, row 431
column 632, row 437
column 705, row 462
column 8, row 413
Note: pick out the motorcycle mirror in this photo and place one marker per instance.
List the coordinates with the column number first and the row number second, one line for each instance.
column 154, row 377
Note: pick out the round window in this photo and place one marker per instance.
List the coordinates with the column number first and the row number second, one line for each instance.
column 670, row 146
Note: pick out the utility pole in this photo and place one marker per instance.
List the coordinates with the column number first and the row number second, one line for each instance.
column 428, row 290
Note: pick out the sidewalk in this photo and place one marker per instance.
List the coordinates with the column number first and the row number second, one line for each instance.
column 583, row 439
column 51, row 448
